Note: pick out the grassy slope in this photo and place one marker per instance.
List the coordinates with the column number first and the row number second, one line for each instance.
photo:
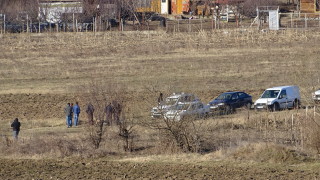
column 40, row 73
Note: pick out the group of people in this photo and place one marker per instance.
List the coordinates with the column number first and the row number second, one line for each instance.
column 112, row 111
column 72, row 111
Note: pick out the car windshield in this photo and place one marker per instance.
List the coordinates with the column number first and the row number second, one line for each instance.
column 270, row 94
column 171, row 101
column 225, row 96
column 182, row 106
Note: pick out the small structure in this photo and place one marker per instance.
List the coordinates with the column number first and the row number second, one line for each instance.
column 53, row 11
column 269, row 14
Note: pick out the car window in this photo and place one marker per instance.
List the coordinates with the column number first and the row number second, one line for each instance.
column 283, row 94
column 224, row 96
column 234, row 96
column 242, row 95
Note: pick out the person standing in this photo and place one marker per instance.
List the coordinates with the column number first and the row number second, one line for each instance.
column 68, row 113
column 16, row 128
column 76, row 112
column 117, row 108
column 71, row 111
column 160, row 98
column 90, row 111
column 109, row 111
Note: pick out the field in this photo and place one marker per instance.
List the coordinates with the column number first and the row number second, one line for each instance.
column 40, row 73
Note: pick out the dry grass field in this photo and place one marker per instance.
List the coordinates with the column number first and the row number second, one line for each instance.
column 40, row 73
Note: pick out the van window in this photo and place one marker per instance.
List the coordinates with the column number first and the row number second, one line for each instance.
column 270, row 94
column 283, row 94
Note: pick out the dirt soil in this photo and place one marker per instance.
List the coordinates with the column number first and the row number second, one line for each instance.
column 115, row 169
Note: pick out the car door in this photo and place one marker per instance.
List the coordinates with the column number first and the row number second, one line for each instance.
column 235, row 103
column 283, row 99
column 242, row 99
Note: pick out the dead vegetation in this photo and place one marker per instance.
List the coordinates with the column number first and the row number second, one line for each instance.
column 40, row 73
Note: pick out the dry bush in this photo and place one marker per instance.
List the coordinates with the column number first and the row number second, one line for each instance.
column 100, row 94
column 46, row 146
column 267, row 152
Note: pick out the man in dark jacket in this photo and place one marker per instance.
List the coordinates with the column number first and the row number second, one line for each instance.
column 68, row 112
column 90, row 111
column 16, row 128
column 109, row 110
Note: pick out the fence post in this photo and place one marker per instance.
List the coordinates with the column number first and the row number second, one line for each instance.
column 39, row 27
column 291, row 21
column 31, row 25
column 92, row 24
column 178, row 26
column 27, row 23
column 73, row 29
column 4, row 24
column 305, row 20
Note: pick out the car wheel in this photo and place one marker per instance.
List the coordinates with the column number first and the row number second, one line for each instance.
column 248, row 105
column 228, row 109
column 206, row 115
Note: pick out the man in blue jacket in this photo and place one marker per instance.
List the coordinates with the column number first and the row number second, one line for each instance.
column 76, row 112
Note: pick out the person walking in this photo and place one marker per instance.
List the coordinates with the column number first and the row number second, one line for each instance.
column 109, row 111
column 76, row 112
column 16, row 128
column 90, row 111
column 68, row 113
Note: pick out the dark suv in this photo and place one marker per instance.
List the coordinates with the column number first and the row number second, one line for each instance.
column 227, row 102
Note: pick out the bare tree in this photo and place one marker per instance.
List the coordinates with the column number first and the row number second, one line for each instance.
column 97, row 96
column 250, row 6
column 15, row 9
column 186, row 133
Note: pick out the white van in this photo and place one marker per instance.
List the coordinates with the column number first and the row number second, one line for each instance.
column 276, row 98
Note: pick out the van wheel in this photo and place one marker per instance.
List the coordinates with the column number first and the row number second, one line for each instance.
column 275, row 107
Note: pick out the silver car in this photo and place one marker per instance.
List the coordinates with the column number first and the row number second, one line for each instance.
column 171, row 102
column 188, row 109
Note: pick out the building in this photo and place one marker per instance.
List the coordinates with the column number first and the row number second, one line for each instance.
column 309, row 6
